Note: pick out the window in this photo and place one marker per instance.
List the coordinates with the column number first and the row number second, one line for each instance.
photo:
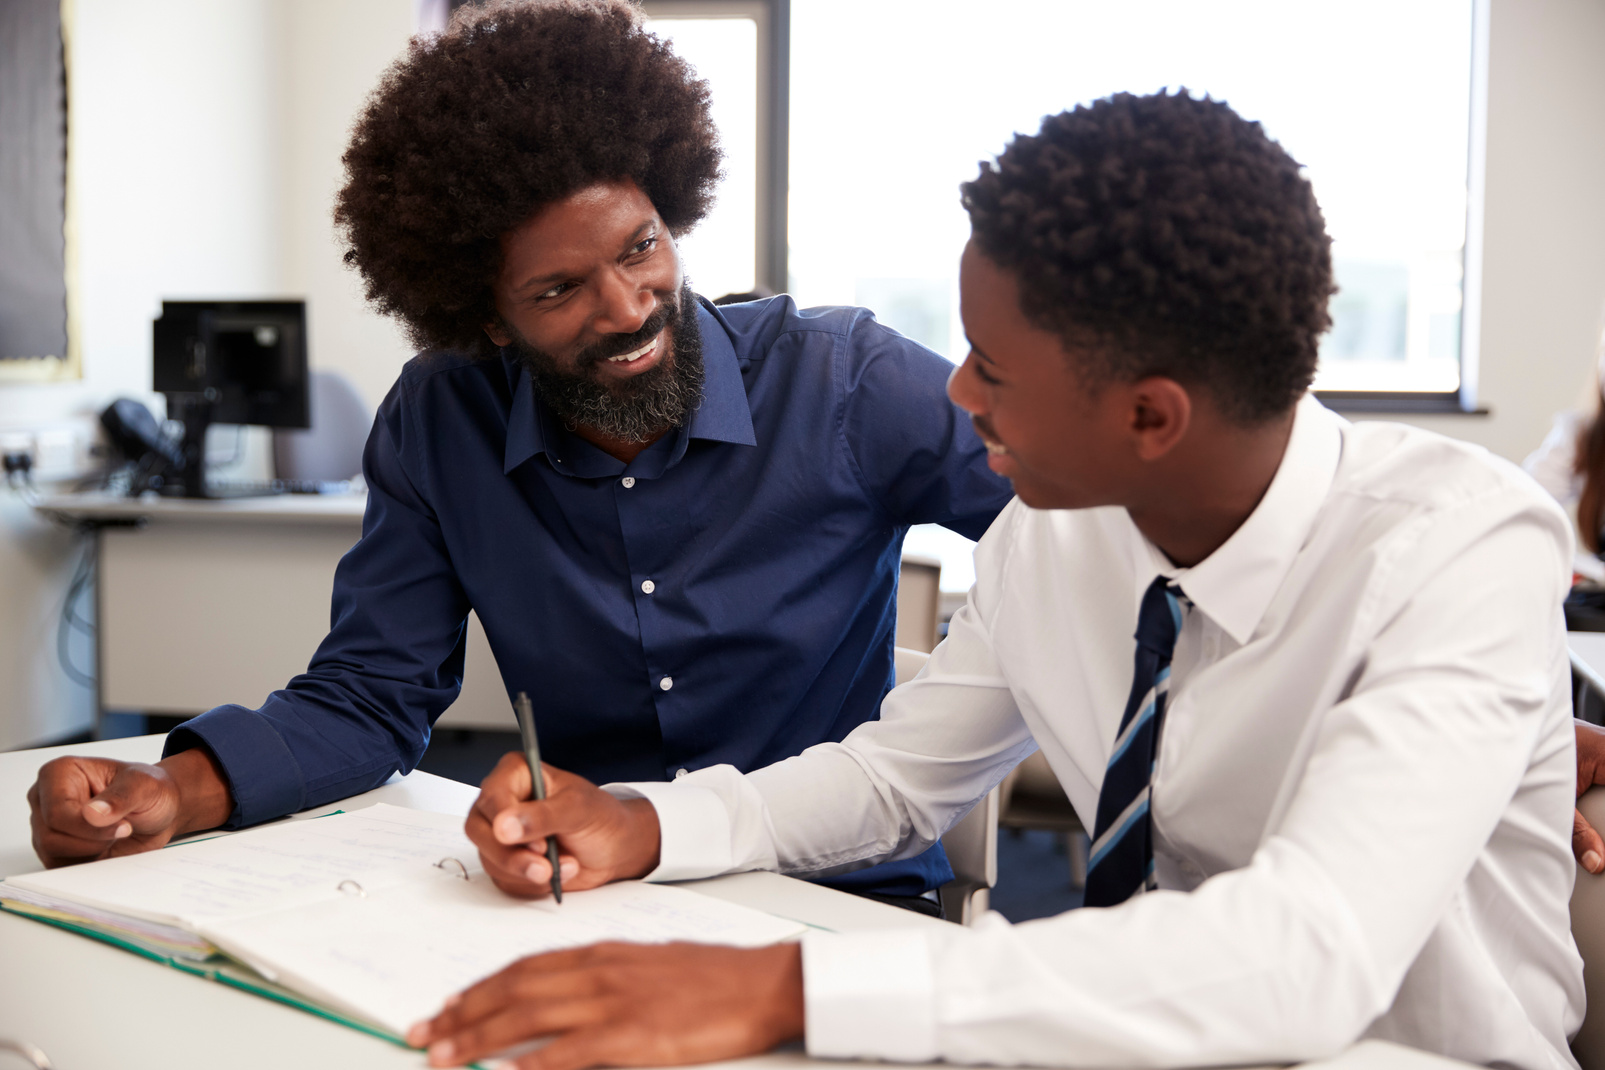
column 893, row 107
column 740, row 47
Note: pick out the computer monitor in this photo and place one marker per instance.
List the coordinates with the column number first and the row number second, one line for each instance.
column 234, row 362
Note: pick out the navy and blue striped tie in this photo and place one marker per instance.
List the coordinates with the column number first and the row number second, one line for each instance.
column 1122, row 859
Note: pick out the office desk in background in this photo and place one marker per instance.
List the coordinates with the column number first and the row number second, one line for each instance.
column 200, row 603
column 89, row 1005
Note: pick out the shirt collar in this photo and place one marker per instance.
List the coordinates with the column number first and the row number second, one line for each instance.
column 723, row 416
column 1235, row 584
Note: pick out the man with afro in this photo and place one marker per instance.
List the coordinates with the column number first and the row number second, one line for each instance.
column 679, row 525
column 1330, row 782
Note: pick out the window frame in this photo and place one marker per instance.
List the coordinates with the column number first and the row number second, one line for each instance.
column 1462, row 402
column 773, row 19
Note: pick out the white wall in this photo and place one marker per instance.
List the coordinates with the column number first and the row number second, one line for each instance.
column 1544, row 255
column 205, row 145
column 334, row 53
column 174, row 138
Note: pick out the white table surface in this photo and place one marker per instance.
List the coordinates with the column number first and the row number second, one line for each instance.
column 91, row 1006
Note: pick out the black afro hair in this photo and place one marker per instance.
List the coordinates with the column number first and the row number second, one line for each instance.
column 515, row 106
column 1164, row 235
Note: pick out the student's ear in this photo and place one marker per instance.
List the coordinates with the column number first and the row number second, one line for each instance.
column 498, row 334
column 1161, row 412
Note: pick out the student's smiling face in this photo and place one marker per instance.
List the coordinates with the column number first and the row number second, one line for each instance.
column 1062, row 445
column 584, row 277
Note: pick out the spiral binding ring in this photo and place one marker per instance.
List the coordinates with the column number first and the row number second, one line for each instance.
column 351, row 887
column 446, row 864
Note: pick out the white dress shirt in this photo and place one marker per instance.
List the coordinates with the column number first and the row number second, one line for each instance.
column 1361, row 803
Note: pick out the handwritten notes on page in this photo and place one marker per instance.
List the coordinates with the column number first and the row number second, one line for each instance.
column 269, row 868
column 380, row 913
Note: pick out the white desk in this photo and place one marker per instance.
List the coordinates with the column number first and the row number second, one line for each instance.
column 89, row 1005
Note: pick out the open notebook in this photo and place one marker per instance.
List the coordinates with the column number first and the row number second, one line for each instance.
column 372, row 917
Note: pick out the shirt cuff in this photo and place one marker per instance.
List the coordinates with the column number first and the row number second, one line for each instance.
column 869, row 995
column 263, row 777
column 693, row 829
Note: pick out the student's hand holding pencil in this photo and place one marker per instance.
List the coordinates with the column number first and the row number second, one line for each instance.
column 600, row 838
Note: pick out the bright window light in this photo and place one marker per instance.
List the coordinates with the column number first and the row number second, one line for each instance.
column 893, row 105
column 720, row 254
column 890, row 112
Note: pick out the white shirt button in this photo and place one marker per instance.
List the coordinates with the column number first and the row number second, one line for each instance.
column 628, row 481
column 647, row 586
column 678, row 773
column 666, row 683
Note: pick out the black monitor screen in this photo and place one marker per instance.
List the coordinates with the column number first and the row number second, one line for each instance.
column 248, row 358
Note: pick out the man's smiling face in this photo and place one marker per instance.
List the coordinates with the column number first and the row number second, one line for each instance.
column 591, row 296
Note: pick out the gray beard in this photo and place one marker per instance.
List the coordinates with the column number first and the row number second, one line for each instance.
column 637, row 409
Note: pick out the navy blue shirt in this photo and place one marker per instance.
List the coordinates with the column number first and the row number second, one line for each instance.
column 729, row 596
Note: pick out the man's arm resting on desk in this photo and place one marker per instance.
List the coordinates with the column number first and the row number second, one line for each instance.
column 82, row 809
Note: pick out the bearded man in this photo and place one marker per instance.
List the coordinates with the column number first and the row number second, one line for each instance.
column 679, row 525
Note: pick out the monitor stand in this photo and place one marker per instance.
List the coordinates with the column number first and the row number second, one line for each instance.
column 195, row 412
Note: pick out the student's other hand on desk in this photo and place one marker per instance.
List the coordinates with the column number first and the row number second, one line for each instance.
column 82, row 809
column 625, row 1005
column 600, row 838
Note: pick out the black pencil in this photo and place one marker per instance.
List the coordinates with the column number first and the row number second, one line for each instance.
column 532, row 754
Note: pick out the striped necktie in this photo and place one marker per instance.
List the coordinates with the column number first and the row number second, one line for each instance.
column 1122, row 858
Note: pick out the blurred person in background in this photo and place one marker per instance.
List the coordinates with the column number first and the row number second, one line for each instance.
column 1570, row 465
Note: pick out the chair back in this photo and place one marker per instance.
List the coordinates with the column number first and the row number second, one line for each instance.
column 331, row 449
column 919, row 602
column 972, row 844
column 1588, row 929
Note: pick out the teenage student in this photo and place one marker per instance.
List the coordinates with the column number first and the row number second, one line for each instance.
column 1305, row 680
column 680, row 525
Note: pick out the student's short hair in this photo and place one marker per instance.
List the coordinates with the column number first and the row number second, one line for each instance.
column 515, row 106
column 1164, row 235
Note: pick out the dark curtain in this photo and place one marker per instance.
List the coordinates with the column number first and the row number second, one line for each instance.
column 33, row 181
